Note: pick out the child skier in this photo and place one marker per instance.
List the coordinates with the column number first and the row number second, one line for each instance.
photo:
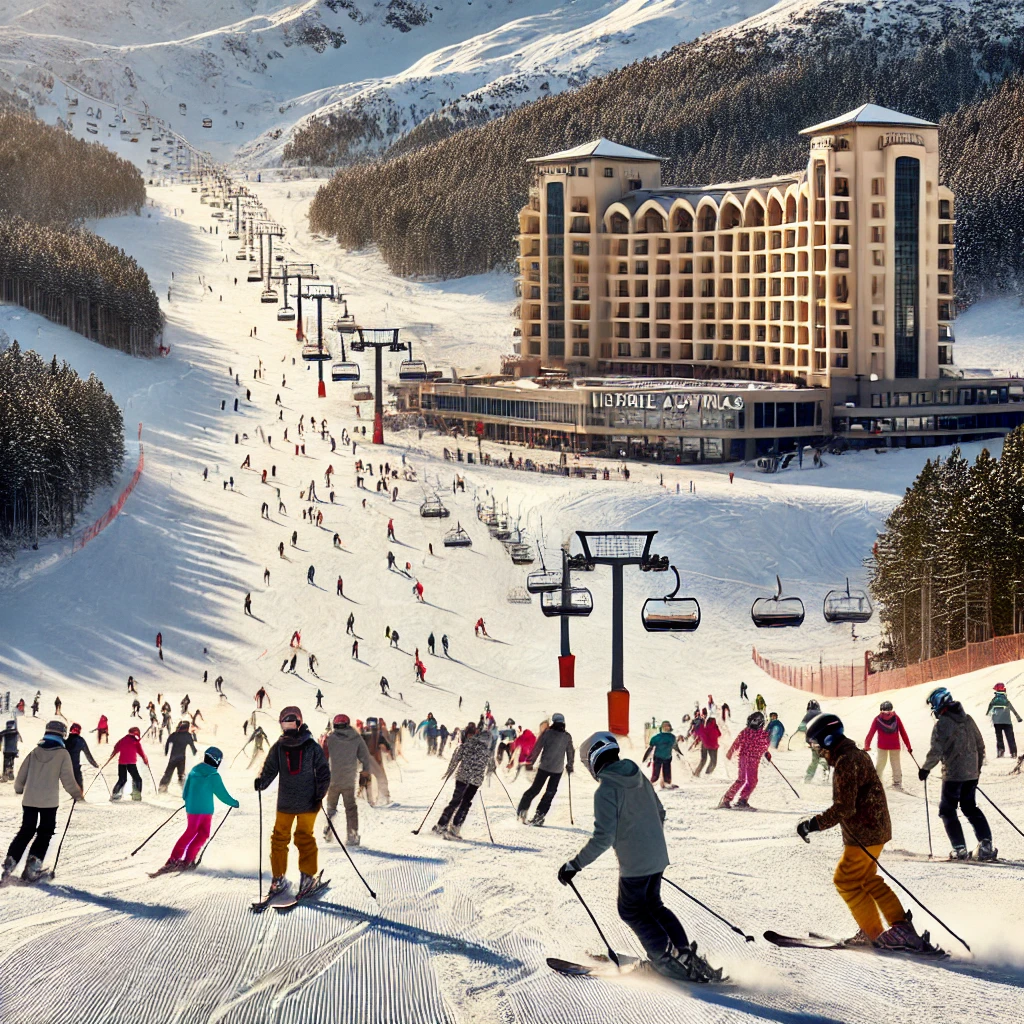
column 958, row 744
column 129, row 749
column 776, row 730
column 204, row 783
column 710, row 736
column 859, row 807
column 628, row 816
column 471, row 761
column 752, row 743
column 298, row 763
column 890, row 731
column 45, row 766
column 999, row 707
column 662, row 745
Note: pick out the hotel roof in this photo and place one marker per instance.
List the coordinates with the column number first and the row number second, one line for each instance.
column 869, row 113
column 598, row 148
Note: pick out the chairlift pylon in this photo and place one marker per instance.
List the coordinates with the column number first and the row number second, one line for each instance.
column 671, row 614
column 777, row 611
column 847, row 605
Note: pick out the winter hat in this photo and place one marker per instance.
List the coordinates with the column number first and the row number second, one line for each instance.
column 341, row 720
column 135, row 731
column 1000, row 687
column 938, row 699
column 56, row 728
column 12, row 725
column 666, row 725
column 75, row 729
column 213, row 756
column 773, row 714
column 557, row 717
column 290, row 714
column 183, row 724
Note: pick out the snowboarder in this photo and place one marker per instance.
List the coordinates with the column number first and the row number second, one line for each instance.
column 176, row 747
column 129, row 749
column 776, row 730
column 890, row 731
column 76, row 746
column 999, row 707
column 45, row 768
column 859, row 807
column 629, row 817
column 471, row 761
column 204, row 783
column 303, row 775
column 555, row 751
column 752, row 743
column 662, row 745
column 348, row 758
column 957, row 742
column 11, row 739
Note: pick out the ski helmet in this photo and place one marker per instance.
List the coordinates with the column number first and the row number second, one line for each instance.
column 755, row 721
column 823, row 730
column 342, row 720
column 556, row 718
column 290, row 714
column 594, row 751
column 213, row 756
column 886, row 705
column 135, row 731
column 75, row 730
column 1000, row 687
column 813, row 705
column 183, row 724
column 938, row 699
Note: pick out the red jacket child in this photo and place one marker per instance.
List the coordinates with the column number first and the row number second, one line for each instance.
column 710, row 734
column 890, row 730
column 524, row 743
column 129, row 749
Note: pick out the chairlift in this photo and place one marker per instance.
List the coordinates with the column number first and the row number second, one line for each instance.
column 457, row 538
column 777, row 611
column 269, row 295
column 241, row 254
column 521, row 554
column 847, row 605
column 207, row 122
column 73, row 102
column 182, row 109
column 576, row 601
column 542, row 581
column 434, row 508
column 412, row 369
column 314, row 353
column 671, row 614
column 286, row 313
column 233, row 237
column 92, row 129
column 345, row 371
column 518, row 595
column 90, row 112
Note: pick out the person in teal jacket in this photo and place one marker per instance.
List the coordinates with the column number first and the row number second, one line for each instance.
column 776, row 730
column 663, row 744
column 202, row 785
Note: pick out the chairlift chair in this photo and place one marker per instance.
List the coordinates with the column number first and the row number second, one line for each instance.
column 362, row 394
column 286, row 313
column 576, row 601
column 542, row 581
column 434, row 508
column 777, row 611
column 241, row 254
column 521, row 554
column 207, row 122
column 314, row 353
column 412, row 370
column 345, row 371
column 847, row 605
column 269, row 295
column 232, row 235
column 457, row 538
column 500, row 529
column 671, row 614
column 518, row 595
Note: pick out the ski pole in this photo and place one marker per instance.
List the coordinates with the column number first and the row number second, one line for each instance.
column 60, row 845
column 416, row 831
column 784, row 779
column 486, row 820
column 152, row 778
column 611, row 952
column 259, row 794
column 105, row 763
column 496, row 774
column 738, row 931
column 105, row 783
column 568, row 779
column 989, row 799
column 927, row 812
column 154, row 832
column 344, row 850
column 239, row 754
column 199, row 859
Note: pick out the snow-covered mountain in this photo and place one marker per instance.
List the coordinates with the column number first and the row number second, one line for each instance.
column 256, row 68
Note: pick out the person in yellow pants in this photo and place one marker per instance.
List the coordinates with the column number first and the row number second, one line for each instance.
column 298, row 763
column 859, row 807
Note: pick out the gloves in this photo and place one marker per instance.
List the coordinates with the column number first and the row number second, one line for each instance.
column 568, row 769
column 767, row 755
column 364, row 778
column 806, row 827
column 568, row 871
column 922, row 773
column 256, row 784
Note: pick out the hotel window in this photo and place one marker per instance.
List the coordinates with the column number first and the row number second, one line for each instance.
column 945, row 209
column 640, row 247
column 640, row 267
column 707, row 264
column 905, row 267
column 707, row 289
column 706, row 351
column 842, row 360
column 609, row 172
column 581, row 348
column 583, row 172
column 878, row 186
column 878, row 257
column 534, row 348
column 635, row 184
column 645, row 347
column 664, row 351
column 663, row 331
column 876, row 340
column 535, row 330
column 878, row 317
column 841, row 187
column 878, row 210
column 707, row 311
column 623, row 349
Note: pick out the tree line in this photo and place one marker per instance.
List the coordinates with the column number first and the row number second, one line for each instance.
column 61, row 437
column 443, row 201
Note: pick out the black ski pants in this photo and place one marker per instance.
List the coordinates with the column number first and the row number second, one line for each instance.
column 123, row 771
column 962, row 794
column 540, row 777
column 40, row 822
column 174, row 764
column 459, row 804
column 641, row 908
column 1005, row 730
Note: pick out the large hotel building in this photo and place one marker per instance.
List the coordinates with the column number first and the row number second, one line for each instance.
column 828, row 291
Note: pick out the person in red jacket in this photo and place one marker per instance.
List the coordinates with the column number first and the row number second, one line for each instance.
column 102, row 731
column 129, row 749
column 752, row 743
column 524, row 744
column 890, row 731
column 710, row 735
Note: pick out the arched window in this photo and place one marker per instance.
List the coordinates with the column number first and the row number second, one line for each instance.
column 774, row 211
column 652, row 223
column 707, row 217
column 729, row 218
column 755, row 215
column 619, row 224
column 683, row 221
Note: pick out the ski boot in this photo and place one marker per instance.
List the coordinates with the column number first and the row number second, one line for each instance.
column 136, row 794
column 898, row 785
column 986, row 851
column 9, row 865
column 538, row 820
column 742, row 805
column 162, row 789
column 453, row 832
column 959, row 853
column 439, row 829
column 114, row 797
column 33, row 870
column 903, row 937
column 278, row 886
column 307, row 883
column 688, row 965
column 353, row 839
column 724, row 804
column 671, row 785
column 171, row 865
column 523, row 816
column 858, row 941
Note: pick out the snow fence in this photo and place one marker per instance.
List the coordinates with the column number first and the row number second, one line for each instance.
column 83, row 536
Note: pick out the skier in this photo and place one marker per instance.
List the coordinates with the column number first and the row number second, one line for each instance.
column 257, row 739
column 752, row 743
column 957, row 742
column 248, row 604
column 430, row 643
column 760, row 704
column 35, row 705
column 663, row 744
column 444, row 645
column 442, row 734
column 385, row 686
column 348, row 757
column 176, row 747
column 310, row 573
column 710, row 737
column 776, row 730
column 418, row 591
column 131, row 685
column 999, row 707
column 479, row 628
column 554, row 749
column 45, row 768
column 471, row 761
column 355, row 649
column 375, row 736
column 505, row 739
column 890, row 731
column 394, row 638
column 629, row 817
column 428, row 727
column 521, row 750
column 102, row 731
column 261, row 696
column 743, row 691
column 813, row 710
column 185, row 701
column 391, row 529
column 76, row 746
column 129, row 749
column 204, row 783
column 218, row 685
column 859, row 807
column 319, row 695
column 391, row 560
column 11, row 738
column 341, row 587
column 350, row 624
column 160, row 645
column 303, row 775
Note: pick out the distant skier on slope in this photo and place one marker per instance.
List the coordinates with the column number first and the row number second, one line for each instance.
column 890, row 731
column 11, row 738
column 555, row 750
column 76, row 746
column 129, row 749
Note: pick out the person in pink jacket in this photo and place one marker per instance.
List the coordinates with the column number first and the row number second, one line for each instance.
column 752, row 743
column 129, row 749
column 524, row 744
column 890, row 731
column 710, row 735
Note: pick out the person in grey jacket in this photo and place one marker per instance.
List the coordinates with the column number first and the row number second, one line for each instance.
column 46, row 767
column 176, row 746
column 346, row 752
column 957, row 742
column 999, row 707
column 11, row 738
column 554, row 750
column 629, row 818
column 472, row 760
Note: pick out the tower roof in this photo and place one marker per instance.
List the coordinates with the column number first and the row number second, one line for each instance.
column 597, row 148
column 869, row 113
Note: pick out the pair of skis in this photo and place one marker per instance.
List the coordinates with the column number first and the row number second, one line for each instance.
column 814, row 940
column 286, row 901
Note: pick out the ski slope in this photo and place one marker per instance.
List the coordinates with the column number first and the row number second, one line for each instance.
column 461, row 931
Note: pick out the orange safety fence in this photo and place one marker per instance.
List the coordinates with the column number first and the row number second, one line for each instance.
column 83, row 536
